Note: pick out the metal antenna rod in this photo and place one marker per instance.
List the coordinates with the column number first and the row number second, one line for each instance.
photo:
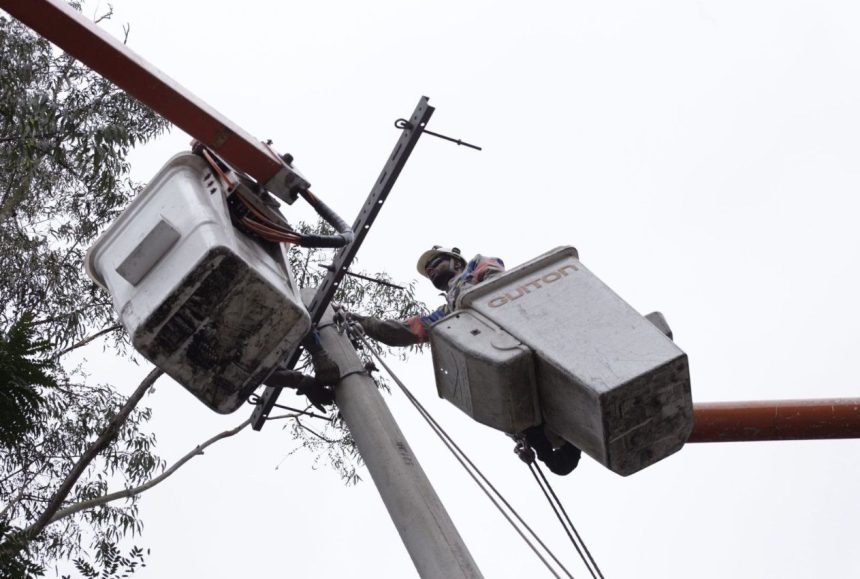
column 404, row 124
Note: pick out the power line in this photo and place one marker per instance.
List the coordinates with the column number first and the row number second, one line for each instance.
column 564, row 519
column 473, row 471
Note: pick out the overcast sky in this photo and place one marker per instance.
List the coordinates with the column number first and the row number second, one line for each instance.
column 702, row 156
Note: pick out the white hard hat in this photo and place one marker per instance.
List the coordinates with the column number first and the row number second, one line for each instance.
column 435, row 252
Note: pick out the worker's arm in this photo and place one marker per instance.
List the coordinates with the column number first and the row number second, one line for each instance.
column 414, row 330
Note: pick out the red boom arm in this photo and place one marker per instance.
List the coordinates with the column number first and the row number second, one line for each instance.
column 81, row 38
column 776, row 420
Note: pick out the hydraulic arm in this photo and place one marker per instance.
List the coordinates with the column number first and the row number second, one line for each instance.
column 81, row 38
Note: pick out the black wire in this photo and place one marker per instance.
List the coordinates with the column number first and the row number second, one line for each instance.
column 532, row 466
column 461, row 457
column 254, row 400
column 467, row 464
column 344, row 233
column 535, row 470
column 463, row 462
column 305, row 412
column 569, row 522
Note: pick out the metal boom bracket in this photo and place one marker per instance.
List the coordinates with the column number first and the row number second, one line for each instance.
column 407, row 141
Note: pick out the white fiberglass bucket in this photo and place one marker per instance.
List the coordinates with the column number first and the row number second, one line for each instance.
column 213, row 308
column 603, row 377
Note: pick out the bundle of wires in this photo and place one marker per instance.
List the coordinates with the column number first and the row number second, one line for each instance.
column 261, row 225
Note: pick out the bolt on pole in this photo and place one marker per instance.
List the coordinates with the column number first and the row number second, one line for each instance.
column 436, row 548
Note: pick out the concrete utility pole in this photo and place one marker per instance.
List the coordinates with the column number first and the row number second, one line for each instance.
column 436, row 548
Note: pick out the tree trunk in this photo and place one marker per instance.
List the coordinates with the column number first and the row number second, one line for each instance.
column 19, row 541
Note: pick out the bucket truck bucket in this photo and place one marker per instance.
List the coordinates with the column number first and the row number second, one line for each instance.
column 213, row 308
column 485, row 372
column 602, row 377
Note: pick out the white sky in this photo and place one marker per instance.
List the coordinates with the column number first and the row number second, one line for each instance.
column 702, row 156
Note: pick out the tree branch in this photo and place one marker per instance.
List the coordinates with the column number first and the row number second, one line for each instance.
column 16, row 472
column 101, row 443
column 106, row 16
column 16, row 138
column 318, row 435
column 128, row 493
column 20, row 494
column 87, row 340
column 4, row 210
column 305, row 269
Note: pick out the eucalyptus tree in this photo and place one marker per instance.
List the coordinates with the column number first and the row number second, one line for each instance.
column 65, row 134
column 75, row 456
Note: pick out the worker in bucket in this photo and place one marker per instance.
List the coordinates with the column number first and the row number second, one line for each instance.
column 448, row 271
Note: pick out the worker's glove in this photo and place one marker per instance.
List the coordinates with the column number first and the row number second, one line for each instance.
column 341, row 317
column 318, row 394
column 356, row 327
column 364, row 322
column 349, row 321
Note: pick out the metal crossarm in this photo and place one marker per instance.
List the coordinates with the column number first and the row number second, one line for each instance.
column 375, row 200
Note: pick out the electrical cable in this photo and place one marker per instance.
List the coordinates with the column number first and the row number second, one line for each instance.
column 217, row 168
column 277, row 233
column 298, row 411
column 269, row 232
column 570, row 524
column 344, row 235
column 531, row 466
column 558, row 509
column 254, row 400
column 469, row 466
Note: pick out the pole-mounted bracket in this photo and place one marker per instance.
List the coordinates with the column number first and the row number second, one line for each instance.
column 407, row 141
